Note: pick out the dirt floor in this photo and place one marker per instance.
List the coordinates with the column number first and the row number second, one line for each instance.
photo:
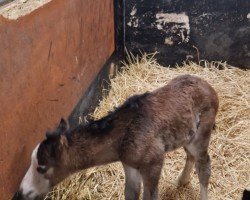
column 18, row 8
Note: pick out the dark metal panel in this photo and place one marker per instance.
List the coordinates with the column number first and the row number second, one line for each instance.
column 218, row 30
column 95, row 92
column 119, row 18
column 2, row 2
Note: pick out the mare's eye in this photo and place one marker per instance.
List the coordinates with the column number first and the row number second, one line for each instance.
column 42, row 170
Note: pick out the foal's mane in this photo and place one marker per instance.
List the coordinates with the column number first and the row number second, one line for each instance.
column 106, row 124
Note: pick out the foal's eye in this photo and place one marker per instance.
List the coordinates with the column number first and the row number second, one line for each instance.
column 42, row 170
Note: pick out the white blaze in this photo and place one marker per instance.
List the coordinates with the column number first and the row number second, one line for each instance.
column 34, row 183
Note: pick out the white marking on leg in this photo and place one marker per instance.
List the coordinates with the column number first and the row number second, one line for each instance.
column 203, row 192
column 132, row 182
column 192, row 149
column 185, row 175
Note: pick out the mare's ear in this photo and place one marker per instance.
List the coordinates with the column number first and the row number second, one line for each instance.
column 63, row 125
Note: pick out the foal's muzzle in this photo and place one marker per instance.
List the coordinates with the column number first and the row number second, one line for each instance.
column 19, row 196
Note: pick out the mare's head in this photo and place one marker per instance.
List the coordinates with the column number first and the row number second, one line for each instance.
column 46, row 168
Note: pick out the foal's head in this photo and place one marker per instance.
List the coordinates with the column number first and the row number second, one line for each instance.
column 46, row 169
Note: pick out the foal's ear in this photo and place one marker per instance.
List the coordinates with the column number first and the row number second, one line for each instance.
column 52, row 147
column 63, row 125
column 52, row 136
column 63, row 141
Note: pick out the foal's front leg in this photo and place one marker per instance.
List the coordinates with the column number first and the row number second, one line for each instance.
column 132, row 183
column 151, row 175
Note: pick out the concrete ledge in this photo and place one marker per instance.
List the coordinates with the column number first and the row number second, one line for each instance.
column 18, row 8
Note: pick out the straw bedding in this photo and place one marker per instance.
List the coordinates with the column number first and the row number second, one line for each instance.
column 229, row 148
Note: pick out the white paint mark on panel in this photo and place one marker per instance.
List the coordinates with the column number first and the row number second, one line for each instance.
column 134, row 21
column 133, row 11
column 173, row 24
column 169, row 41
column 248, row 16
column 172, row 17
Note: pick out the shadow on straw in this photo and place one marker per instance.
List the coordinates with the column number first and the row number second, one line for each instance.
column 182, row 193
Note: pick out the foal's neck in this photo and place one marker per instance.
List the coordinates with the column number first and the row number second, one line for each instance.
column 85, row 152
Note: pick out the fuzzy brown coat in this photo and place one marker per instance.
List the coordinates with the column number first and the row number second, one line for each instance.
column 138, row 133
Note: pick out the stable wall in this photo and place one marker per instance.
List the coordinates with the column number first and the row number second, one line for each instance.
column 215, row 30
column 48, row 59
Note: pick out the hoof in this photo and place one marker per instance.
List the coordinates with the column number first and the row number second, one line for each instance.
column 181, row 182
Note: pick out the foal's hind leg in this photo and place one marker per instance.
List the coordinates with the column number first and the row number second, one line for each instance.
column 132, row 183
column 198, row 148
column 184, row 177
column 203, row 168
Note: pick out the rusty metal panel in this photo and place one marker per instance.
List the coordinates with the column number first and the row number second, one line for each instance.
column 47, row 61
